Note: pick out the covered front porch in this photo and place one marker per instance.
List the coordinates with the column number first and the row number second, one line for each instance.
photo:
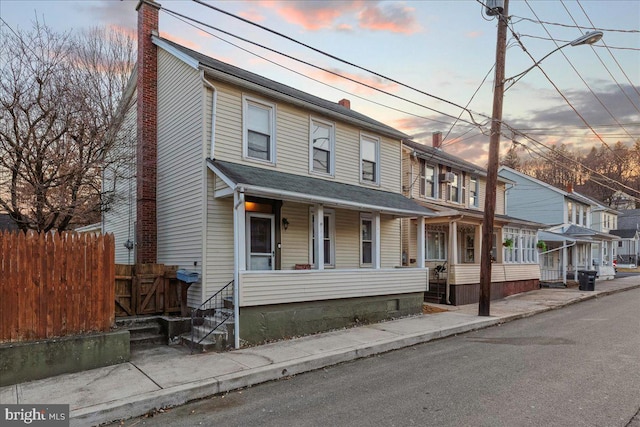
column 303, row 245
column 452, row 254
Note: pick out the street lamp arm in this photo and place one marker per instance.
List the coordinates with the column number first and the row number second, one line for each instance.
column 588, row 38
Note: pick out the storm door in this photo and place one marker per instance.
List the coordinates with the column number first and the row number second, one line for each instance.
column 260, row 241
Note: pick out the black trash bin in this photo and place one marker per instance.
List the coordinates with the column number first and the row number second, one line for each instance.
column 587, row 280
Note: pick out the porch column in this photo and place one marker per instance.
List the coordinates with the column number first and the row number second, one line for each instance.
column 240, row 257
column 420, row 242
column 477, row 238
column 453, row 242
column 564, row 263
column 318, row 232
column 575, row 262
column 376, row 240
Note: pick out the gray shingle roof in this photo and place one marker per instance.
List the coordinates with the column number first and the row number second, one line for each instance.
column 321, row 189
column 625, row 234
column 426, row 151
column 272, row 85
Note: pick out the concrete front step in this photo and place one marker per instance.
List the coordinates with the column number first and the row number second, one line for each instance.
column 216, row 341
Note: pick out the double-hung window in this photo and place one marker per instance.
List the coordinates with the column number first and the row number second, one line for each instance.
column 436, row 246
column 259, row 130
column 474, row 196
column 427, row 180
column 455, row 188
column 322, row 147
column 367, row 242
column 369, row 156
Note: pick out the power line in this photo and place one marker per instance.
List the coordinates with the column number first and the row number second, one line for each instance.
column 340, row 59
column 608, row 30
column 530, row 36
column 178, row 15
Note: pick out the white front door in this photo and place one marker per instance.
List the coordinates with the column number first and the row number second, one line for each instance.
column 260, row 241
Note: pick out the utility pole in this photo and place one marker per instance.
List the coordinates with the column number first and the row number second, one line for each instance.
column 492, row 169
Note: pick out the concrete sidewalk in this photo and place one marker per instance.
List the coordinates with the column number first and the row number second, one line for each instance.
column 169, row 376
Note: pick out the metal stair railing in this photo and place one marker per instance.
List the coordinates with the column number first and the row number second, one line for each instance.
column 214, row 304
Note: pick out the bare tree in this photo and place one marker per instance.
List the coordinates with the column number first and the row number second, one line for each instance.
column 59, row 95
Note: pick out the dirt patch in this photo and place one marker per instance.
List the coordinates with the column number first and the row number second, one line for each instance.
column 430, row 309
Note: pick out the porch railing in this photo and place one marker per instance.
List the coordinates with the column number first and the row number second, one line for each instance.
column 212, row 314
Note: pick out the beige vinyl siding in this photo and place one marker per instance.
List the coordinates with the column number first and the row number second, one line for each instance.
column 347, row 239
column 278, row 287
column 120, row 218
column 464, row 274
column 292, row 141
column 500, row 199
column 228, row 141
column 295, row 239
column 390, row 252
column 181, row 164
column 220, row 247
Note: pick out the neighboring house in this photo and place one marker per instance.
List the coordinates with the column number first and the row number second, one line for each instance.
column 294, row 200
column 7, row 223
column 628, row 251
column 455, row 189
column 623, row 201
column 573, row 243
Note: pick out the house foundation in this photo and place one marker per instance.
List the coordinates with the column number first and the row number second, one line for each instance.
column 272, row 322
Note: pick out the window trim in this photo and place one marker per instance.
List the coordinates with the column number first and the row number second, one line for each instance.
column 271, row 107
column 376, row 170
column 460, row 188
column 422, row 166
column 368, row 217
column 332, row 145
column 475, row 191
column 332, row 237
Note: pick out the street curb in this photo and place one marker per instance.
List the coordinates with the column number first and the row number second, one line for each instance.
column 178, row 395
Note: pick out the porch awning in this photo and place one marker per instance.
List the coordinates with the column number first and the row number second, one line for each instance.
column 548, row 236
column 286, row 186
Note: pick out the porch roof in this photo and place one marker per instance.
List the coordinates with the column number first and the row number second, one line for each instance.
column 286, row 186
column 548, row 236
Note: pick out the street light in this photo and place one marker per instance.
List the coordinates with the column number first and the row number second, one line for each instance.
column 494, row 149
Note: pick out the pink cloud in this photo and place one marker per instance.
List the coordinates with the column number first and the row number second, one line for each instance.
column 252, row 15
column 474, row 34
column 373, row 81
column 395, row 18
column 181, row 41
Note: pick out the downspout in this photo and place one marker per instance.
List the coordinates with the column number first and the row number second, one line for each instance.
column 238, row 197
column 214, row 104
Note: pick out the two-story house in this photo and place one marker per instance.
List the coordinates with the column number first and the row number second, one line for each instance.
column 572, row 241
column 455, row 189
column 628, row 250
column 294, row 201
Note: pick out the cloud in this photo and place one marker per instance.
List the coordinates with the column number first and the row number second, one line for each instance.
column 252, row 15
column 108, row 12
column 394, row 17
column 342, row 15
column 181, row 41
column 474, row 34
column 374, row 81
column 313, row 15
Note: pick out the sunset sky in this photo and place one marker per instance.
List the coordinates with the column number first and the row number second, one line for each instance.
column 441, row 48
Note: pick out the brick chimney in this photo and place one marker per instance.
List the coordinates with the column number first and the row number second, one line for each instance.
column 146, row 148
column 436, row 138
column 345, row 103
column 570, row 188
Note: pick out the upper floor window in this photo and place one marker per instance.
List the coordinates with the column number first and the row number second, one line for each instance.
column 322, row 146
column 369, row 155
column 454, row 187
column 428, row 180
column 584, row 217
column 570, row 212
column 259, row 130
column 474, row 196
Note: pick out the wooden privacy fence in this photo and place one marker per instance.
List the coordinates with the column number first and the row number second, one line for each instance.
column 55, row 284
